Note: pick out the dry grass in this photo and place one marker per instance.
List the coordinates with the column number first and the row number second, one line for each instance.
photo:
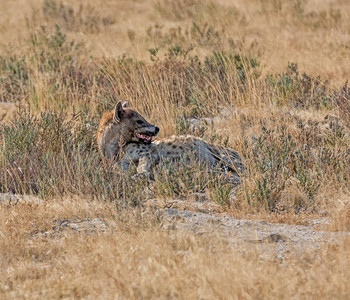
column 135, row 258
column 311, row 33
column 265, row 77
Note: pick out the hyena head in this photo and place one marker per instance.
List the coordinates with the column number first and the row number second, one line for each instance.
column 133, row 127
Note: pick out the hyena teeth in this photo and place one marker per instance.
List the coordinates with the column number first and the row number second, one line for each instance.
column 143, row 136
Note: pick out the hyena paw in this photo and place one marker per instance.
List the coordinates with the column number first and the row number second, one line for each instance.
column 140, row 176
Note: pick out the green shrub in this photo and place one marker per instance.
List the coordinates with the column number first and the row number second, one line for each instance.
column 278, row 160
column 50, row 156
column 301, row 91
column 84, row 19
column 14, row 78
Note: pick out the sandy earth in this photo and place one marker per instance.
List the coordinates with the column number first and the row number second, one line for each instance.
column 271, row 240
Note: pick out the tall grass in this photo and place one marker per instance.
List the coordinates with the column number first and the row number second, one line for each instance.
column 54, row 153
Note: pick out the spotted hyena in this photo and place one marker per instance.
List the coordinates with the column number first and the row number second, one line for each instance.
column 126, row 138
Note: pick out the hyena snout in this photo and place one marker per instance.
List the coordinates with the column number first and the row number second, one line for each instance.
column 145, row 134
column 149, row 129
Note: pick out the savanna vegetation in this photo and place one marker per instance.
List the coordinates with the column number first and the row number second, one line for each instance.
column 264, row 77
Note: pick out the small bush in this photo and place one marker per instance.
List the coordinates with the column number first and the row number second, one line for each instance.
column 84, row 19
column 280, row 162
column 60, row 78
column 14, row 78
column 186, row 176
column 302, row 91
column 49, row 156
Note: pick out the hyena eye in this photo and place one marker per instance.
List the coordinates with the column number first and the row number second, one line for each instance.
column 139, row 122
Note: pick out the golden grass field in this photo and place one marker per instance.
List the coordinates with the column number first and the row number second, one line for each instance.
column 265, row 77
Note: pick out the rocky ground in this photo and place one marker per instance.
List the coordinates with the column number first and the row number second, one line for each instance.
column 271, row 240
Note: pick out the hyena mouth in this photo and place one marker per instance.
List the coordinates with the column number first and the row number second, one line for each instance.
column 144, row 138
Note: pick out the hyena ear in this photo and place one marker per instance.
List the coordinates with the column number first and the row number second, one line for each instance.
column 125, row 104
column 118, row 112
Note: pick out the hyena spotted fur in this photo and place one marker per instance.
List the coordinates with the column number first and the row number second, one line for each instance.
column 125, row 137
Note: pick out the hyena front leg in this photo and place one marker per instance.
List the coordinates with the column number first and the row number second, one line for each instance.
column 144, row 165
column 130, row 158
column 143, row 169
column 124, row 164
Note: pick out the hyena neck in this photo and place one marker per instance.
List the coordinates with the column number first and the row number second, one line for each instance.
column 111, row 141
